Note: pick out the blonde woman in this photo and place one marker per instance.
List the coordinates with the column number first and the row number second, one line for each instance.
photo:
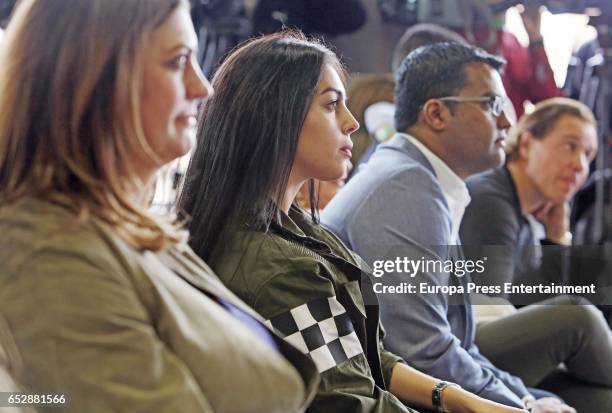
column 101, row 301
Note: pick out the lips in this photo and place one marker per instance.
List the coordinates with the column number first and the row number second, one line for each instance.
column 190, row 120
column 570, row 185
column 347, row 150
column 501, row 140
column 571, row 182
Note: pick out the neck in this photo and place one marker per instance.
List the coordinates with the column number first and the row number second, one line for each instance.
column 293, row 187
column 529, row 197
column 436, row 145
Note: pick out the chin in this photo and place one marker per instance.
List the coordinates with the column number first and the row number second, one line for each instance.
column 332, row 174
column 498, row 158
column 488, row 164
column 184, row 144
column 560, row 197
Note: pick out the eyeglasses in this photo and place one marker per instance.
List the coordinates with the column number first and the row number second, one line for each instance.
column 496, row 103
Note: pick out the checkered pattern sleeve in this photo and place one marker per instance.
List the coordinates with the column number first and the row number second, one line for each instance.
column 321, row 329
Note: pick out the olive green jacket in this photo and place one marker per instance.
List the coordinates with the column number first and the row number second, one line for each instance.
column 115, row 329
column 300, row 263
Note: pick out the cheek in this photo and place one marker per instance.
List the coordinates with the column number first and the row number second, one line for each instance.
column 536, row 169
column 160, row 99
column 583, row 177
column 166, row 105
column 317, row 140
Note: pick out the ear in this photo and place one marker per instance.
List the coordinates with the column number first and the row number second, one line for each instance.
column 435, row 114
column 525, row 143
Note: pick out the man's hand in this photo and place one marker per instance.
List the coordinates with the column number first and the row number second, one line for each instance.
column 555, row 218
column 549, row 405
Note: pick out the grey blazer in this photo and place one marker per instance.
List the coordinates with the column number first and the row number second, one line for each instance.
column 114, row 329
column 395, row 207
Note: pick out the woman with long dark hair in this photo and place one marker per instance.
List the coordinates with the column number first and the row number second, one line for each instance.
column 279, row 119
column 103, row 306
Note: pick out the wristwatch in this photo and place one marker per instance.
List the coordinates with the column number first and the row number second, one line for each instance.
column 436, row 395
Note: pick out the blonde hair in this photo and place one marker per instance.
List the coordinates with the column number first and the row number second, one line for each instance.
column 70, row 110
column 543, row 118
column 363, row 91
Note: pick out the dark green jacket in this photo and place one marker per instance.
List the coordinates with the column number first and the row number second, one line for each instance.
column 286, row 275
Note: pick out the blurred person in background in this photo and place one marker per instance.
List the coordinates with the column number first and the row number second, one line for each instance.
column 373, row 93
column 419, row 35
column 528, row 76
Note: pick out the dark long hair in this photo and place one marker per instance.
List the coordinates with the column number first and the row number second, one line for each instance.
column 249, row 134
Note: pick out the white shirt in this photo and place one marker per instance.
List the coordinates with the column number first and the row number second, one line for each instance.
column 458, row 198
column 454, row 189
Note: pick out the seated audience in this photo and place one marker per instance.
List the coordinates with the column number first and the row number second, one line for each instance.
column 408, row 201
column 102, row 301
column 263, row 134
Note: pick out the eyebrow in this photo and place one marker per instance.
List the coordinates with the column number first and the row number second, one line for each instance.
column 575, row 138
column 181, row 46
column 332, row 89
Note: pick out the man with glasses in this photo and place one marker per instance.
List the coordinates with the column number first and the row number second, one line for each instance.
column 406, row 204
column 496, row 103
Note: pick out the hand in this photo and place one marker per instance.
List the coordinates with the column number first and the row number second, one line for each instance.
column 549, row 405
column 532, row 20
column 555, row 218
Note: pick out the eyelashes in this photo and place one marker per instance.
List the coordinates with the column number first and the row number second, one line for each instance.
column 333, row 105
column 179, row 62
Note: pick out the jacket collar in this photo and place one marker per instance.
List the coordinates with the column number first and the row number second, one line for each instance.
column 298, row 228
column 453, row 187
column 401, row 144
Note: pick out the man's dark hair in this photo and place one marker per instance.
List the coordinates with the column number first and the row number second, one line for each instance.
column 434, row 71
column 420, row 35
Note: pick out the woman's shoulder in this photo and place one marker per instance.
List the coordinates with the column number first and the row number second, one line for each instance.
column 253, row 263
column 32, row 228
column 263, row 254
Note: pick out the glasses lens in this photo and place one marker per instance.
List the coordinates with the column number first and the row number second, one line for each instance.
column 497, row 105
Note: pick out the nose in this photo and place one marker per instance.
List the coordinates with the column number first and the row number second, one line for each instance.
column 197, row 86
column 503, row 122
column 580, row 162
column 350, row 124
